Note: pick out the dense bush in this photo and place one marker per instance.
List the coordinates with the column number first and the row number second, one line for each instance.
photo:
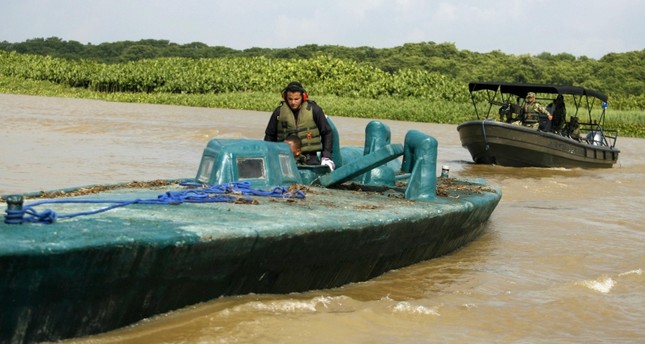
column 616, row 74
column 321, row 75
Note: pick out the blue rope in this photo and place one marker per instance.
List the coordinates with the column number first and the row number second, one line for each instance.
column 202, row 194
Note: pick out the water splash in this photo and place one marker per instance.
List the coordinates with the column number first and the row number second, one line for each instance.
column 293, row 305
column 632, row 272
column 406, row 307
column 603, row 285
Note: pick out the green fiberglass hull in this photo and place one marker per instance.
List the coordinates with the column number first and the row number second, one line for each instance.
column 91, row 274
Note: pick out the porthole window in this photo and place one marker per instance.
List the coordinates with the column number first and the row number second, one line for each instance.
column 250, row 168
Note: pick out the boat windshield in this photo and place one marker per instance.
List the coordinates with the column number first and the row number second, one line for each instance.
column 205, row 169
column 287, row 167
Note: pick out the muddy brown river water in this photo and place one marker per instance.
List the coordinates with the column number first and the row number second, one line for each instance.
column 562, row 259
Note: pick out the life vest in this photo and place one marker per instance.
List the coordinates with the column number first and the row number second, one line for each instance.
column 532, row 112
column 305, row 127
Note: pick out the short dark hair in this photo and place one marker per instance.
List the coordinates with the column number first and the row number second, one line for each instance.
column 294, row 87
column 297, row 142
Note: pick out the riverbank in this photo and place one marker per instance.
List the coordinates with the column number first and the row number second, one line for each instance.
column 628, row 123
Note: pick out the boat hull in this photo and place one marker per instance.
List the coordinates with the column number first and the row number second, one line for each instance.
column 491, row 142
column 93, row 274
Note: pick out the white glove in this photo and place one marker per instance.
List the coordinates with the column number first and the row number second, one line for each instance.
column 328, row 162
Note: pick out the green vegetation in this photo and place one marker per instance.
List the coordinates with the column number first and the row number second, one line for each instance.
column 405, row 109
column 416, row 82
column 613, row 74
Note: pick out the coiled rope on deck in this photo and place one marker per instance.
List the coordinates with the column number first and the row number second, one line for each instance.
column 197, row 194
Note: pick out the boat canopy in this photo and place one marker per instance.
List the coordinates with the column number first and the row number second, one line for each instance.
column 521, row 90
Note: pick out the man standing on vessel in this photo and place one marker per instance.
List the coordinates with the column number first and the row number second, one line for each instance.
column 531, row 112
column 297, row 115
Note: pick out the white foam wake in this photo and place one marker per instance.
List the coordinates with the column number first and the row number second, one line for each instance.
column 603, row 285
column 407, row 307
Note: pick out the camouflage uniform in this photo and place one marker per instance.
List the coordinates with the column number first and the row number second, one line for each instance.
column 300, row 159
column 531, row 112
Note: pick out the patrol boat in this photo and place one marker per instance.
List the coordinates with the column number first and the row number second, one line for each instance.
column 581, row 140
column 251, row 221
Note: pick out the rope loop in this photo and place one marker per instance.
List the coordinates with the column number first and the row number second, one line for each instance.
column 46, row 216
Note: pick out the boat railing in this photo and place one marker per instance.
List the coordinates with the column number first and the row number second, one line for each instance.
column 596, row 135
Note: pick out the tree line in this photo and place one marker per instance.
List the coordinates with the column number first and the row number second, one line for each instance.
column 620, row 74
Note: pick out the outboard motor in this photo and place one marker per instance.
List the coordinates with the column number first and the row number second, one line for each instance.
column 596, row 138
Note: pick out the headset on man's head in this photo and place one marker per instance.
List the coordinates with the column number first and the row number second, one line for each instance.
column 295, row 87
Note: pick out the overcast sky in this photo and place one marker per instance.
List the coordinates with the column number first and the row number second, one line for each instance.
column 591, row 28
